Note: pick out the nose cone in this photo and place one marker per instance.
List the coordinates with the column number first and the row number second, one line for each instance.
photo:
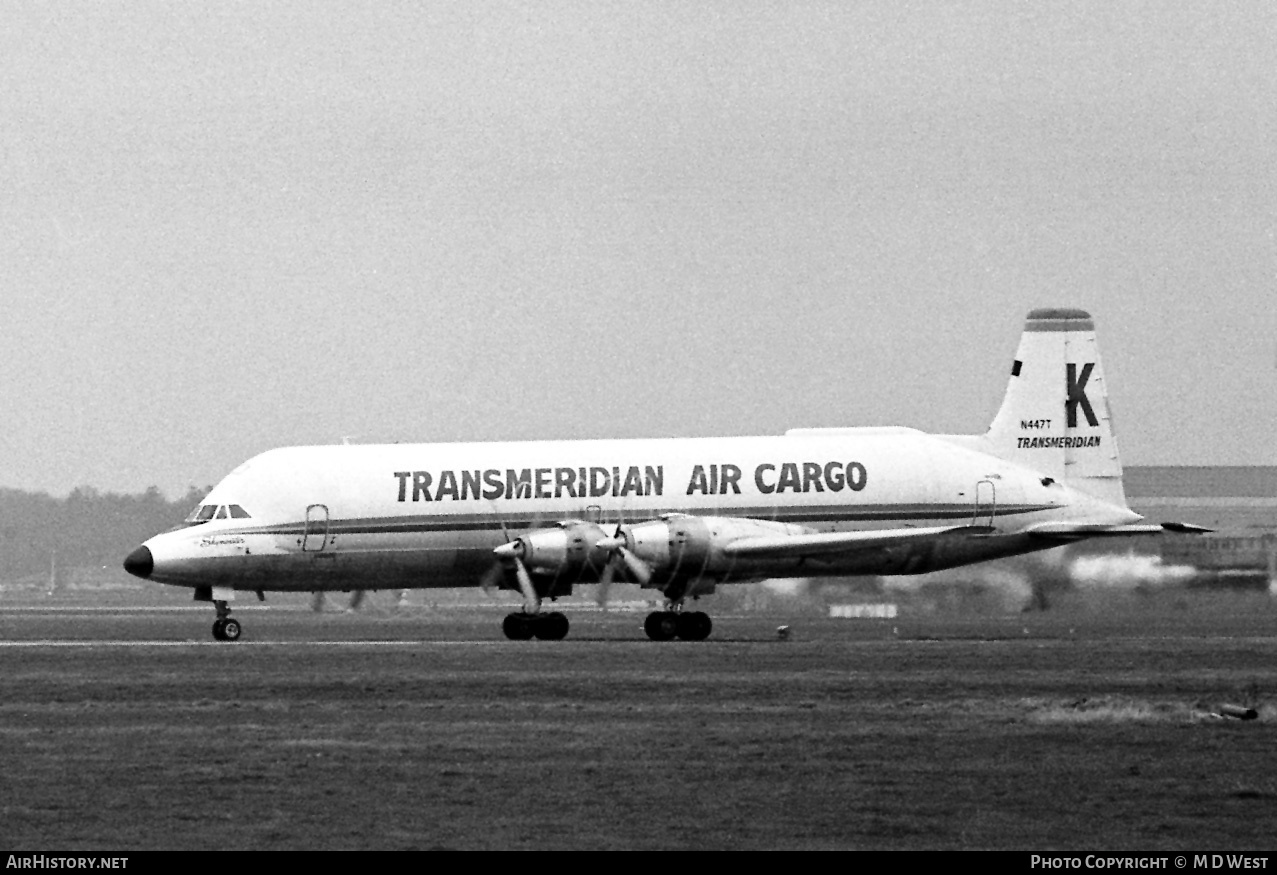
column 140, row 563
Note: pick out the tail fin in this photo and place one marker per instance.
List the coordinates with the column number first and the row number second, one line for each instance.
column 1055, row 416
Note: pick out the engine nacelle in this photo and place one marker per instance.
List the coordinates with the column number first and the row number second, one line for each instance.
column 682, row 546
column 568, row 549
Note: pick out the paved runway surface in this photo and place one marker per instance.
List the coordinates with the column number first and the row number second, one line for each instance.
column 127, row 729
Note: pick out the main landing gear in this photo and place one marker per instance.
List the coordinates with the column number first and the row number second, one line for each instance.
column 544, row 627
column 225, row 627
column 687, row 625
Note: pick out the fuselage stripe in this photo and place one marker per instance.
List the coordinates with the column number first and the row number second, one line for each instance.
column 521, row 521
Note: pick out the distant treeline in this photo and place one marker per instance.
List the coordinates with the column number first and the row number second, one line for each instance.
column 85, row 528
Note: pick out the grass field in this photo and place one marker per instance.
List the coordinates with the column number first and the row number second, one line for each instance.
column 1094, row 730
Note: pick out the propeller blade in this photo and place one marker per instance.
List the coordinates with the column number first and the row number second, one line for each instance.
column 317, row 601
column 635, row 566
column 531, row 601
column 605, row 582
column 357, row 599
column 491, row 579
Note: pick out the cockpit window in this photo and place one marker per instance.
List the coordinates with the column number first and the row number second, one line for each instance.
column 206, row 512
column 202, row 514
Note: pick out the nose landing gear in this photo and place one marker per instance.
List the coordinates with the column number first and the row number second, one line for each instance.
column 225, row 627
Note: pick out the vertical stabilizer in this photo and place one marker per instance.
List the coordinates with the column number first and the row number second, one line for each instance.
column 1055, row 416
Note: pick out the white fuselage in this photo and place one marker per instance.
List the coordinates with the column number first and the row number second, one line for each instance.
column 423, row 515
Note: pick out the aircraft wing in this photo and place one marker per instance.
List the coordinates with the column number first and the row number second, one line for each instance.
column 830, row 543
column 826, row 543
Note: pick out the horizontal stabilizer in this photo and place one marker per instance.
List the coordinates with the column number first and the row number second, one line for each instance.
column 1089, row 530
column 1186, row 529
column 826, row 543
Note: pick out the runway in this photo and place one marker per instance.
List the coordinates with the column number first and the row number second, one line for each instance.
column 63, row 610
column 243, row 644
column 133, row 731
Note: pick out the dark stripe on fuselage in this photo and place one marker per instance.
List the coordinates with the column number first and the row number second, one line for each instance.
column 524, row 520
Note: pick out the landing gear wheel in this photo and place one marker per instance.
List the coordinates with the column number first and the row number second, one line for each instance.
column 693, row 626
column 517, row 627
column 551, row 627
column 224, row 628
column 661, row 625
column 230, row 629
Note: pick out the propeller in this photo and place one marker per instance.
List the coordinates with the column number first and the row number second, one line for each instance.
column 512, row 551
column 617, row 546
column 611, row 545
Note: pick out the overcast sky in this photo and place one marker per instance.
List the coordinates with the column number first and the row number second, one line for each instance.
column 252, row 225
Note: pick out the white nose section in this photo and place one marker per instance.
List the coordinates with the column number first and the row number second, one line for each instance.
column 162, row 559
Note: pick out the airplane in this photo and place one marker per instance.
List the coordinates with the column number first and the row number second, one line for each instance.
column 678, row 515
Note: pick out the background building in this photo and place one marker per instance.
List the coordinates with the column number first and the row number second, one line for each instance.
column 1239, row 503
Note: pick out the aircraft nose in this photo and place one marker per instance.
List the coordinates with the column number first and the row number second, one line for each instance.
column 140, row 563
